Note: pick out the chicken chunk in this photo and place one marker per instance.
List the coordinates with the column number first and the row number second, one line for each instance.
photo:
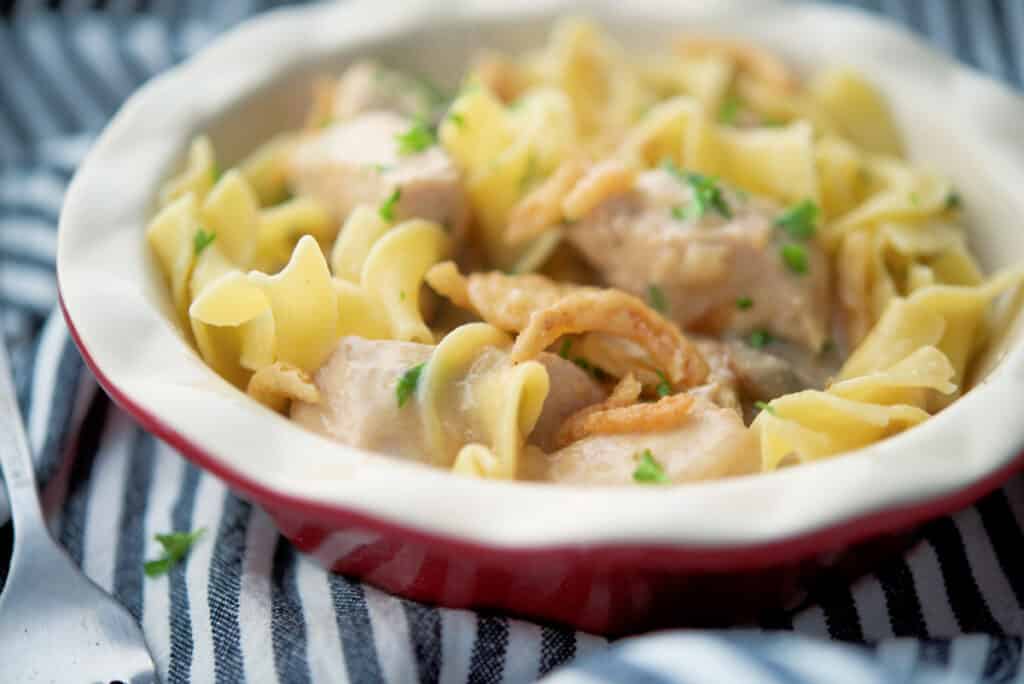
column 704, row 266
column 358, row 405
column 740, row 376
column 712, row 443
column 361, row 161
column 367, row 86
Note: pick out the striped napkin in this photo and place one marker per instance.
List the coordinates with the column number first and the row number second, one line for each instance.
column 246, row 606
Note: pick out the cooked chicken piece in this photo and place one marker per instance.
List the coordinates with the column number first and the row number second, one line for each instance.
column 572, row 389
column 741, row 375
column 358, row 405
column 711, row 443
column 369, row 87
column 704, row 266
column 361, row 161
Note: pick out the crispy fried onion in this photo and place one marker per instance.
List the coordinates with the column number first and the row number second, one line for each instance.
column 616, row 313
column 611, row 417
column 602, row 181
column 277, row 384
column 759, row 63
column 504, row 301
column 543, row 310
column 542, row 207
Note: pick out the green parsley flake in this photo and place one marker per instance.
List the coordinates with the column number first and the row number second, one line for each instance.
column 763, row 406
column 827, row 346
column 176, row 546
column 215, row 171
column 387, row 210
column 799, row 220
column 202, row 240
column 566, row 346
column 457, row 119
column 664, row 388
column 407, row 384
column 648, row 470
column 657, row 299
column 759, row 339
column 706, row 193
column 418, row 138
column 679, row 213
column 953, row 200
column 744, row 303
column 729, row 110
column 401, row 295
column 915, row 198
column 795, row 257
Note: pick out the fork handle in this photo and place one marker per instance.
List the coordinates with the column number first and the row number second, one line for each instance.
column 15, row 457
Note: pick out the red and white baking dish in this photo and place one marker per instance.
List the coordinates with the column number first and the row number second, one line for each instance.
column 610, row 560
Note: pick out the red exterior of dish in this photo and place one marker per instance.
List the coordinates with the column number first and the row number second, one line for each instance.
column 610, row 589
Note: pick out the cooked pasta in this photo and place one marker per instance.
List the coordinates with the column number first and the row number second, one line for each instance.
column 587, row 265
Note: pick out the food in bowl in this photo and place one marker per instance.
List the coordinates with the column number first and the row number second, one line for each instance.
column 587, row 266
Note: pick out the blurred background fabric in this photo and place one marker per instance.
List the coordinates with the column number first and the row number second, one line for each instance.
column 245, row 605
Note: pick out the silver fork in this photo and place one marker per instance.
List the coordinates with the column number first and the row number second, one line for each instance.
column 55, row 624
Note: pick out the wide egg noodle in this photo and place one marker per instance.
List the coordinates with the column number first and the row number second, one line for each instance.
column 198, row 176
column 304, row 306
column 502, row 154
column 394, row 271
column 774, row 162
column 469, row 386
column 171, row 235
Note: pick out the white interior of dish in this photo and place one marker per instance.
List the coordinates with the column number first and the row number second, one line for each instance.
column 252, row 82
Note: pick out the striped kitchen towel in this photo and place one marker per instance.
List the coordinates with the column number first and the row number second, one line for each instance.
column 246, row 606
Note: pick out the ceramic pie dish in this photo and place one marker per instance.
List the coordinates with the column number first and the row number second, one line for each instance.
column 604, row 560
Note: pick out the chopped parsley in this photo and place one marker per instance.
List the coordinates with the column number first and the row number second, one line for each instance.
column 381, row 168
column 953, row 200
column 387, row 210
column 215, row 171
column 202, row 240
column 706, row 193
column 401, row 295
column 729, row 110
column 657, row 299
column 648, row 470
column 566, row 346
column 759, row 339
column 799, row 220
column 744, row 303
column 407, row 384
column 664, row 388
column 176, row 546
column 915, row 198
column 827, row 346
column 457, row 119
column 764, row 406
column 418, row 138
column 679, row 213
column 795, row 257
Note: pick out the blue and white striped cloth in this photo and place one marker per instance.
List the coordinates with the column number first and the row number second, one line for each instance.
column 246, row 606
